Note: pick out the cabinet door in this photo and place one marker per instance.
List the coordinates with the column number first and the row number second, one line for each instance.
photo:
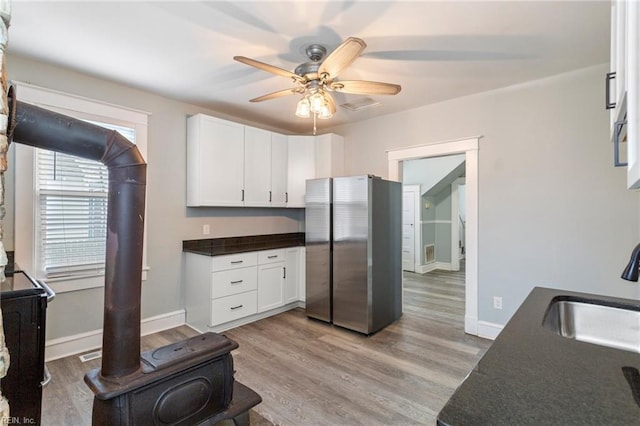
column 270, row 286
column 215, row 162
column 633, row 94
column 301, row 159
column 292, row 272
column 278, row 170
column 257, row 167
column 329, row 155
column 302, row 275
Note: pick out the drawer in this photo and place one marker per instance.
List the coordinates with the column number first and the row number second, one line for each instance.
column 232, row 261
column 234, row 281
column 233, row 307
column 270, row 256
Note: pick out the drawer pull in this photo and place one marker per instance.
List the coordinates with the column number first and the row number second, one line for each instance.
column 236, row 282
column 233, row 308
column 607, row 90
column 235, row 262
column 272, row 257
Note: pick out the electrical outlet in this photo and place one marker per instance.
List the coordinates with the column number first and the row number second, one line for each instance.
column 497, row 302
column 206, row 230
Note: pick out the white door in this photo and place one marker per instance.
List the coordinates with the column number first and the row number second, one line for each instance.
column 408, row 229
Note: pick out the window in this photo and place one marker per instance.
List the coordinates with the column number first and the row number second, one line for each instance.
column 71, row 212
column 61, row 226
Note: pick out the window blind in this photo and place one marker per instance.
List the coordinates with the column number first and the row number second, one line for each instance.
column 72, row 211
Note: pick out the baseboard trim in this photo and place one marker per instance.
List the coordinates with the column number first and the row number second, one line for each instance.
column 82, row 342
column 489, row 330
column 432, row 266
column 471, row 325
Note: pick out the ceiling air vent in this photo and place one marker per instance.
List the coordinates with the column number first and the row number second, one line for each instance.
column 360, row 104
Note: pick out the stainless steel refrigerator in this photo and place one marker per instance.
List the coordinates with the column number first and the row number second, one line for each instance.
column 354, row 262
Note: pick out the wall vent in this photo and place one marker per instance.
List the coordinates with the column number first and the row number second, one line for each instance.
column 90, row 356
column 429, row 253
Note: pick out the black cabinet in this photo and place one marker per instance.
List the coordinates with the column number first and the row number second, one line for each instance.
column 24, row 304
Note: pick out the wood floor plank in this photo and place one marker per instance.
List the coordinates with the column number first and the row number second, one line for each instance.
column 312, row 373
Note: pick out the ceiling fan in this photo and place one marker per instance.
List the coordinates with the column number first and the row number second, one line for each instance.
column 316, row 78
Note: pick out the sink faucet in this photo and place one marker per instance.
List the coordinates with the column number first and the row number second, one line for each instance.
column 630, row 273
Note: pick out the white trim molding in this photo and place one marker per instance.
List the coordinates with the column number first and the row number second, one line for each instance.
column 25, row 197
column 469, row 147
column 78, row 343
column 432, row 266
column 489, row 330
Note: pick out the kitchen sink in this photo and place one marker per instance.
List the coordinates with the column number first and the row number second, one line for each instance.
column 614, row 325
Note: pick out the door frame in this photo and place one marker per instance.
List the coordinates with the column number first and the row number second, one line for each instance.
column 455, row 219
column 469, row 147
column 417, row 224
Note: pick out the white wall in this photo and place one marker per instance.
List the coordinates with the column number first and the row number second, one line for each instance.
column 169, row 221
column 553, row 211
column 427, row 172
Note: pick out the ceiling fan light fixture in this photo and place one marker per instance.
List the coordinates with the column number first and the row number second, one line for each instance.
column 303, row 108
column 317, row 101
column 325, row 112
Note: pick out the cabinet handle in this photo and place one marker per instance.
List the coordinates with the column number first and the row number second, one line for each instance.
column 269, row 196
column 235, row 262
column 236, row 282
column 284, row 272
column 236, row 307
column 607, row 90
column 286, row 197
column 272, row 256
column 242, row 195
column 616, row 143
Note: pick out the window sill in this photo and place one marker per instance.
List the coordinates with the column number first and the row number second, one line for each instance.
column 67, row 285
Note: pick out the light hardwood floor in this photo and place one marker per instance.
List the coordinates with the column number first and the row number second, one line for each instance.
column 312, row 373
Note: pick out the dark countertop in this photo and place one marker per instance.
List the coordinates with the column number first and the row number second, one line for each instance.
column 231, row 245
column 531, row 376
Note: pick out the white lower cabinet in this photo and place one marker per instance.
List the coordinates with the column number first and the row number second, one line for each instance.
column 222, row 289
column 291, row 274
column 271, row 279
column 233, row 307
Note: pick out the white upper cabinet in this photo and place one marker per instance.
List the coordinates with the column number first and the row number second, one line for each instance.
column 329, row 155
column 632, row 87
column 279, row 170
column 623, row 88
column 302, row 166
column 229, row 164
column 257, row 167
column 616, row 79
column 312, row 157
column 215, row 162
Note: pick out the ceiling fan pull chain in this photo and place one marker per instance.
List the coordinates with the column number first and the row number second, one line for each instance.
column 315, row 115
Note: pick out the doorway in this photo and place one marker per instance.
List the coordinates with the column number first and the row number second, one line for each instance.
column 410, row 227
column 468, row 147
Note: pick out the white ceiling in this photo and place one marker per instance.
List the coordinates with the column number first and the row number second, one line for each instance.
column 434, row 50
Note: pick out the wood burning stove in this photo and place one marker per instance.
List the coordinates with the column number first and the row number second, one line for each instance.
column 186, row 383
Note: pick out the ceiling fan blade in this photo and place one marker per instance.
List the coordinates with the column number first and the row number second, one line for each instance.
column 278, row 94
column 361, row 87
column 342, row 57
column 269, row 68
